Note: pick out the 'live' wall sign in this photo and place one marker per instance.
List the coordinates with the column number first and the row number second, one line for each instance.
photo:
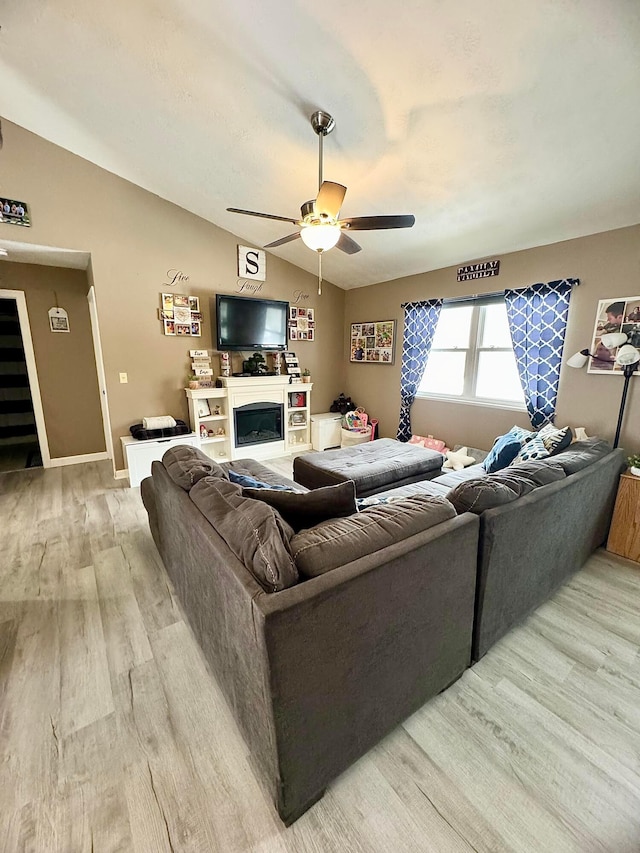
column 485, row 269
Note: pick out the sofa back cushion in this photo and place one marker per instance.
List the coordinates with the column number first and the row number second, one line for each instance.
column 540, row 471
column 504, row 486
column 580, row 454
column 342, row 540
column 487, row 492
column 253, row 530
column 306, row 509
column 186, row 465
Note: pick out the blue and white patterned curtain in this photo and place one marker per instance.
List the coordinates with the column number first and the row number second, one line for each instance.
column 420, row 321
column 537, row 322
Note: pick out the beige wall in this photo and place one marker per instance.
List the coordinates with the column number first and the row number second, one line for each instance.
column 65, row 362
column 607, row 265
column 134, row 237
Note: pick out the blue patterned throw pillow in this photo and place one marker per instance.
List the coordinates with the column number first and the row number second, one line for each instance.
column 248, row 482
column 505, row 449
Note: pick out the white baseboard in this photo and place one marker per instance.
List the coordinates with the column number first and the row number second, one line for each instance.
column 121, row 474
column 59, row 461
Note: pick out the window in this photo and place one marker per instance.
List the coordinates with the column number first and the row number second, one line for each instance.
column 472, row 357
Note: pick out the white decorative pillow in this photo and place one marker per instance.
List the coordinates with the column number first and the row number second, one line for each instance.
column 580, row 434
column 458, row 459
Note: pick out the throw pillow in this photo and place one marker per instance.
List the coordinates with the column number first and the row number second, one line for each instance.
column 505, row 449
column 458, row 459
column 253, row 530
column 429, row 442
column 555, row 439
column 248, row 482
column 186, row 465
column 534, row 449
column 306, row 509
column 340, row 541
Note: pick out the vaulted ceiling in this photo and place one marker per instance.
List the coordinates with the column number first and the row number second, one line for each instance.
column 500, row 124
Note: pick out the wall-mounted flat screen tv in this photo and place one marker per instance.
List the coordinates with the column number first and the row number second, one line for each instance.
column 243, row 323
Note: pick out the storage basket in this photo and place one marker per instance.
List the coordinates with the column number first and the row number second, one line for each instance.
column 352, row 437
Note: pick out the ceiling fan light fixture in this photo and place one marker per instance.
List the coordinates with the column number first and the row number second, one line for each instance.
column 320, row 236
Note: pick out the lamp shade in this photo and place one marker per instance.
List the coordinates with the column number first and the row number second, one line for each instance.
column 577, row 360
column 320, row 236
column 627, row 355
column 613, row 340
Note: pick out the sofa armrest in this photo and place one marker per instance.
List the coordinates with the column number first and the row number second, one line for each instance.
column 355, row 651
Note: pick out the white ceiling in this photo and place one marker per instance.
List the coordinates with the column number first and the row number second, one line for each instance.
column 500, row 124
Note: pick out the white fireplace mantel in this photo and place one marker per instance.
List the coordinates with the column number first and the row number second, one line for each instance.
column 241, row 391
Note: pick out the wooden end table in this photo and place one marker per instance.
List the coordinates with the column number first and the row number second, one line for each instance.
column 624, row 535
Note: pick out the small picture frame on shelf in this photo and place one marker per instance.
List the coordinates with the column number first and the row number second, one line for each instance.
column 202, row 408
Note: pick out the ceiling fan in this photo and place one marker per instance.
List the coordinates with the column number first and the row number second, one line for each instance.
column 320, row 227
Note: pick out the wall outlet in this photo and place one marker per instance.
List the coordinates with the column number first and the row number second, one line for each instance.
column 124, row 378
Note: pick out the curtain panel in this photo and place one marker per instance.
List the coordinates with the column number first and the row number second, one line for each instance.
column 538, row 322
column 420, row 321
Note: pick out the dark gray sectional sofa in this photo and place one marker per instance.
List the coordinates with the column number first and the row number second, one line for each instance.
column 530, row 545
column 318, row 672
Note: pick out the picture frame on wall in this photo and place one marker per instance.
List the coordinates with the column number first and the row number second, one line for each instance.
column 621, row 314
column 373, row 342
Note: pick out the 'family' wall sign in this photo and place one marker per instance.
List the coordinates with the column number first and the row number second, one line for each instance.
column 484, row 269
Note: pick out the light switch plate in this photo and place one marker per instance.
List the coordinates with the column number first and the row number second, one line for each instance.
column 124, row 378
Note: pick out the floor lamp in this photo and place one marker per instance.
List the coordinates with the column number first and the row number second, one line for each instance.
column 627, row 357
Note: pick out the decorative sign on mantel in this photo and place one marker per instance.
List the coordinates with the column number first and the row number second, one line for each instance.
column 484, row 269
column 252, row 263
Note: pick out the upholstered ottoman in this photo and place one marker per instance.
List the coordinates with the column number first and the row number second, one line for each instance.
column 374, row 467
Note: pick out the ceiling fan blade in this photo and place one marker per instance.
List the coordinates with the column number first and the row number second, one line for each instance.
column 262, row 215
column 377, row 223
column 282, row 241
column 346, row 244
column 329, row 200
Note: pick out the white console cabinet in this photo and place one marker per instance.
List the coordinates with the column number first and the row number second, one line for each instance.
column 140, row 454
column 239, row 391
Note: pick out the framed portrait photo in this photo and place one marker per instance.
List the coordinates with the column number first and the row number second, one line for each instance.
column 621, row 314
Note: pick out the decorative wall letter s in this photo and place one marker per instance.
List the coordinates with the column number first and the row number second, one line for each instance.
column 252, row 263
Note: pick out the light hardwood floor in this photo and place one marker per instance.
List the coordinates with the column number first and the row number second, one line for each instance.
column 114, row 736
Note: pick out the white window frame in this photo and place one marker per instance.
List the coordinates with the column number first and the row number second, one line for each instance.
column 473, row 351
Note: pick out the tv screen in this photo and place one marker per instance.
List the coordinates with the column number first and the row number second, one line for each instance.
column 250, row 324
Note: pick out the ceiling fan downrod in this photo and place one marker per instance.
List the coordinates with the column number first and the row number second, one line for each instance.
column 322, row 124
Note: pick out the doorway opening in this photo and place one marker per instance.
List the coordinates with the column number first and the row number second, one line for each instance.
column 19, row 444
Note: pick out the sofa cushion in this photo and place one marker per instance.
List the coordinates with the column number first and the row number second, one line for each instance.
column 306, row 509
column 186, row 465
column 253, row 530
column 580, row 454
column 342, row 540
column 452, row 478
column 505, row 449
column 540, row 471
column 485, row 493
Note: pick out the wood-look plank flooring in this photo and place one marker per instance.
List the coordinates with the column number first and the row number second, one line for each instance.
column 115, row 737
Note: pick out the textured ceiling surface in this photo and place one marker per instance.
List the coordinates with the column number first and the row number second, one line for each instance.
column 501, row 125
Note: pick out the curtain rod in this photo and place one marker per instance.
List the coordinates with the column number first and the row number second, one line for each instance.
column 449, row 300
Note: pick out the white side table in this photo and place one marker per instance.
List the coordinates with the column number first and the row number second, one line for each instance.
column 140, row 454
column 326, row 430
